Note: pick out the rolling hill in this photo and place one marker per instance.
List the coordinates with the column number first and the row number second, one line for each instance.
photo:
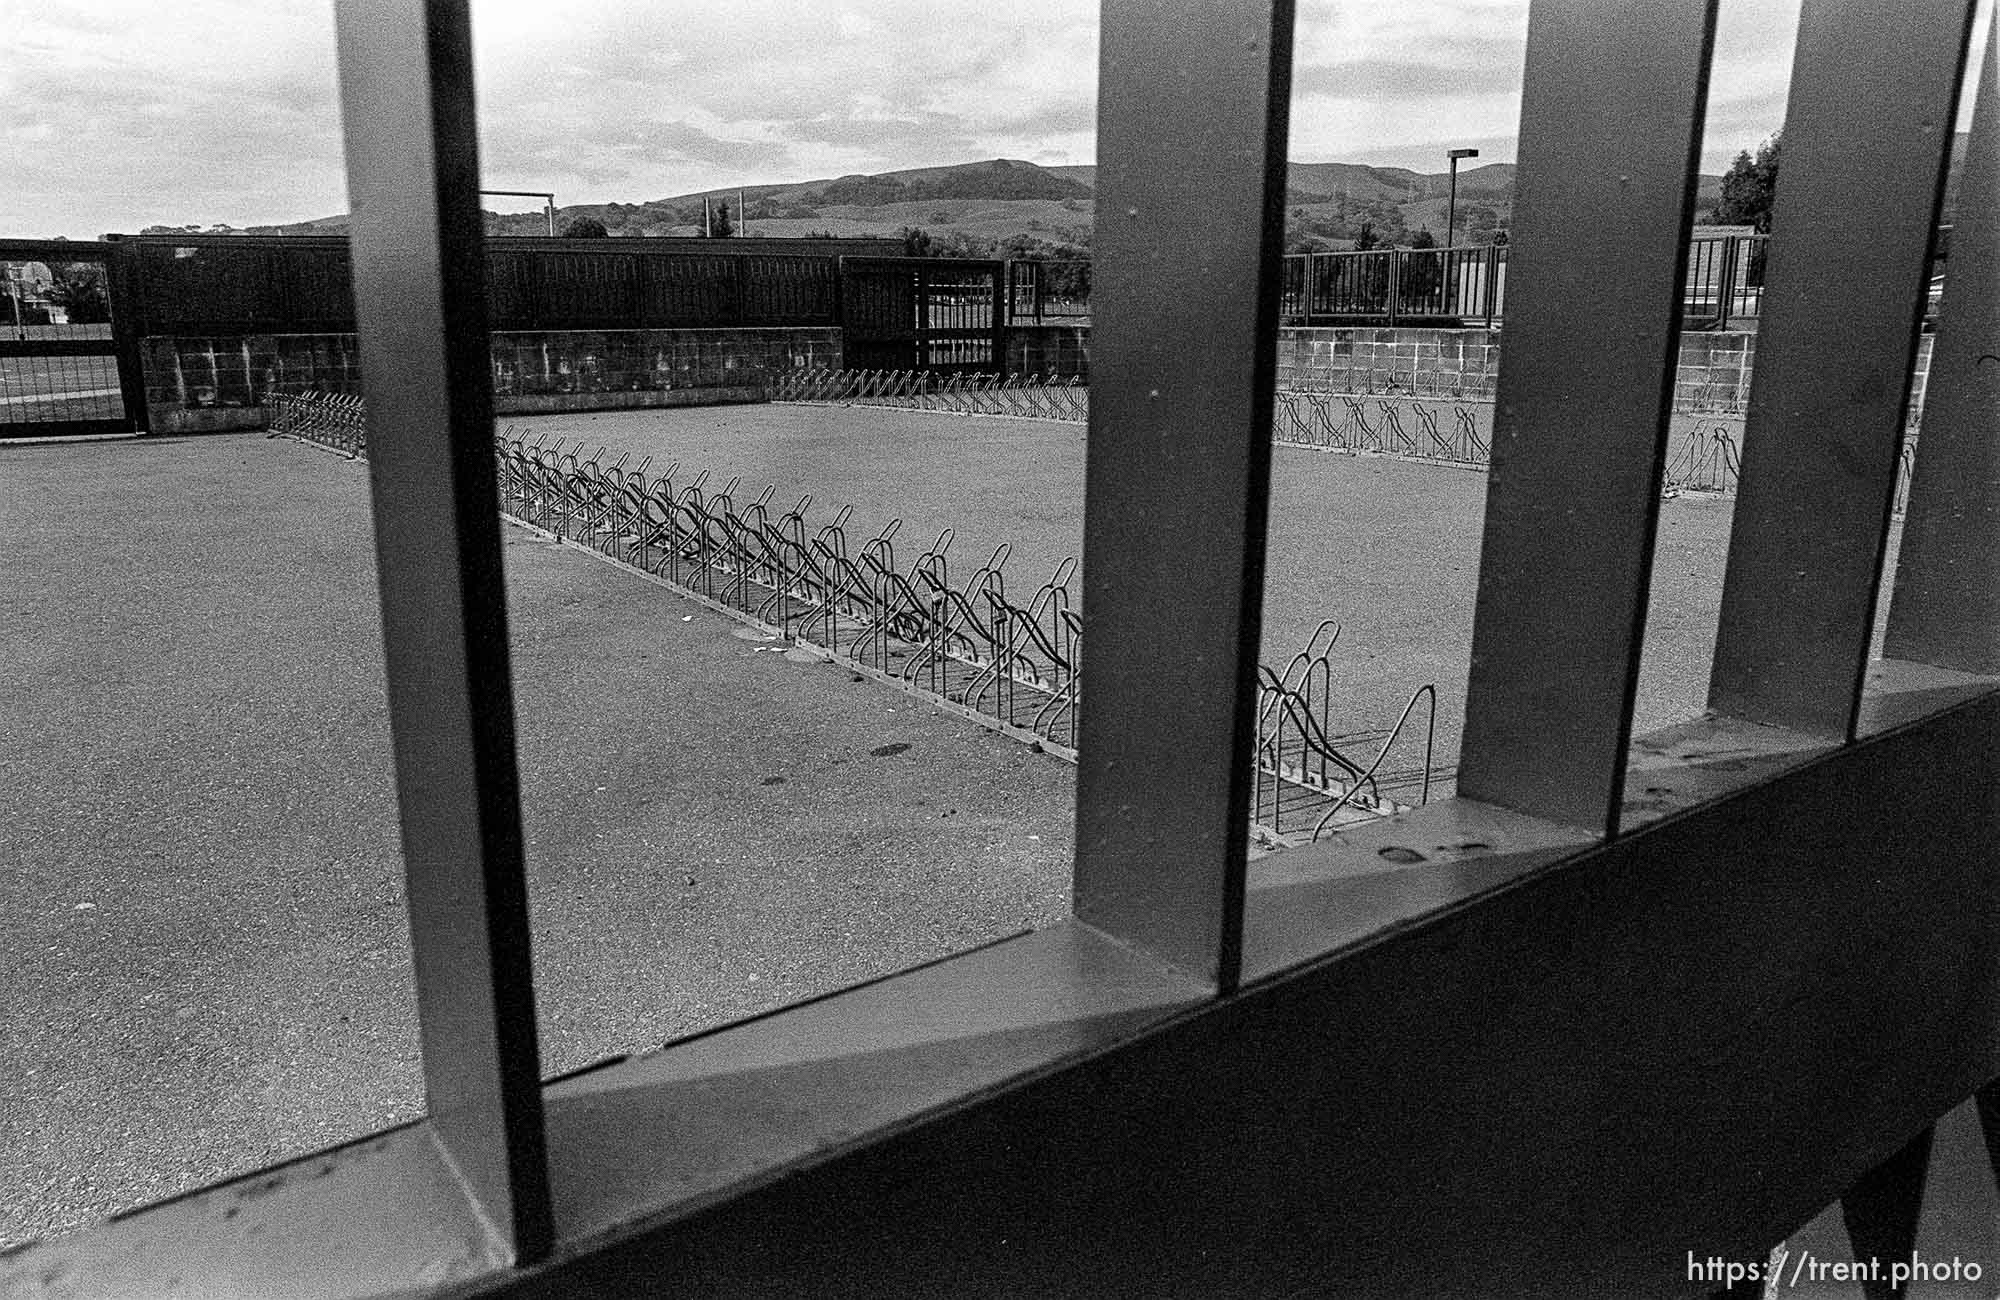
column 970, row 206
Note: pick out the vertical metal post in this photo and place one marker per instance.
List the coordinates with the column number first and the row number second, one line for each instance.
column 1395, row 258
column 1492, row 283
column 420, row 308
column 1184, row 362
column 1725, row 285
column 1610, row 133
column 124, row 289
column 1946, row 605
column 1843, row 305
column 996, row 281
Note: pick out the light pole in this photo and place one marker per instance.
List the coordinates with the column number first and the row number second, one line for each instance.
column 1451, row 202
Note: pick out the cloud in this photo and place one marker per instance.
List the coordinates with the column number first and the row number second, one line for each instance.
column 1376, row 80
column 116, row 114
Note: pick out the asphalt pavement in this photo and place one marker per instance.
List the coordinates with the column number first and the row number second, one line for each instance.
column 201, row 925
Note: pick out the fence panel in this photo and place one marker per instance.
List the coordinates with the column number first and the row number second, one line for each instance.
column 697, row 290
column 311, row 289
column 208, row 288
column 216, row 285
column 1725, row 283
column 587, row 290
column 511, row 298
column 789, row 291
column 1338, row 284
column 68, row 357
column 1420, row 282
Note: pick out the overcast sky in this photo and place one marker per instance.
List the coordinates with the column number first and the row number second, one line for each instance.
column 119, row 115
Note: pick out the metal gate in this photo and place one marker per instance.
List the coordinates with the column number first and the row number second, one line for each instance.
column 916, row 313
column 65, row 368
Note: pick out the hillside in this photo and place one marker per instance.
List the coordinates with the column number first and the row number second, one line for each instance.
column 983, row 207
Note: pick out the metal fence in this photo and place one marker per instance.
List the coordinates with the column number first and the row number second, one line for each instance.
column 215, row 285
column 1393, row 286
column 69, row 365
column 1039, row 291
column 221, row 285
column 961, row 639
column 249, row 285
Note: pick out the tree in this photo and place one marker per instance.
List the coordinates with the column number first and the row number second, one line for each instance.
column 1749, row 186
column 78, row 287
column 916, row 241
column 1422, row 275
column 719, row 225
column 585, row 228
column 1364, row 238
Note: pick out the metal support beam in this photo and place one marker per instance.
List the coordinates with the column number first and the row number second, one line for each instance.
column 1946, row 606
column 1177, row 474
column 413, row 180
column 1843, row 304
column 1882, row 1211
column 122, row 288
column 1611, row 124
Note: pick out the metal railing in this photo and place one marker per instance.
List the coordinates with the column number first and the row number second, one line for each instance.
column 966, row 643
column 1725, row 284
column 1039, row 291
